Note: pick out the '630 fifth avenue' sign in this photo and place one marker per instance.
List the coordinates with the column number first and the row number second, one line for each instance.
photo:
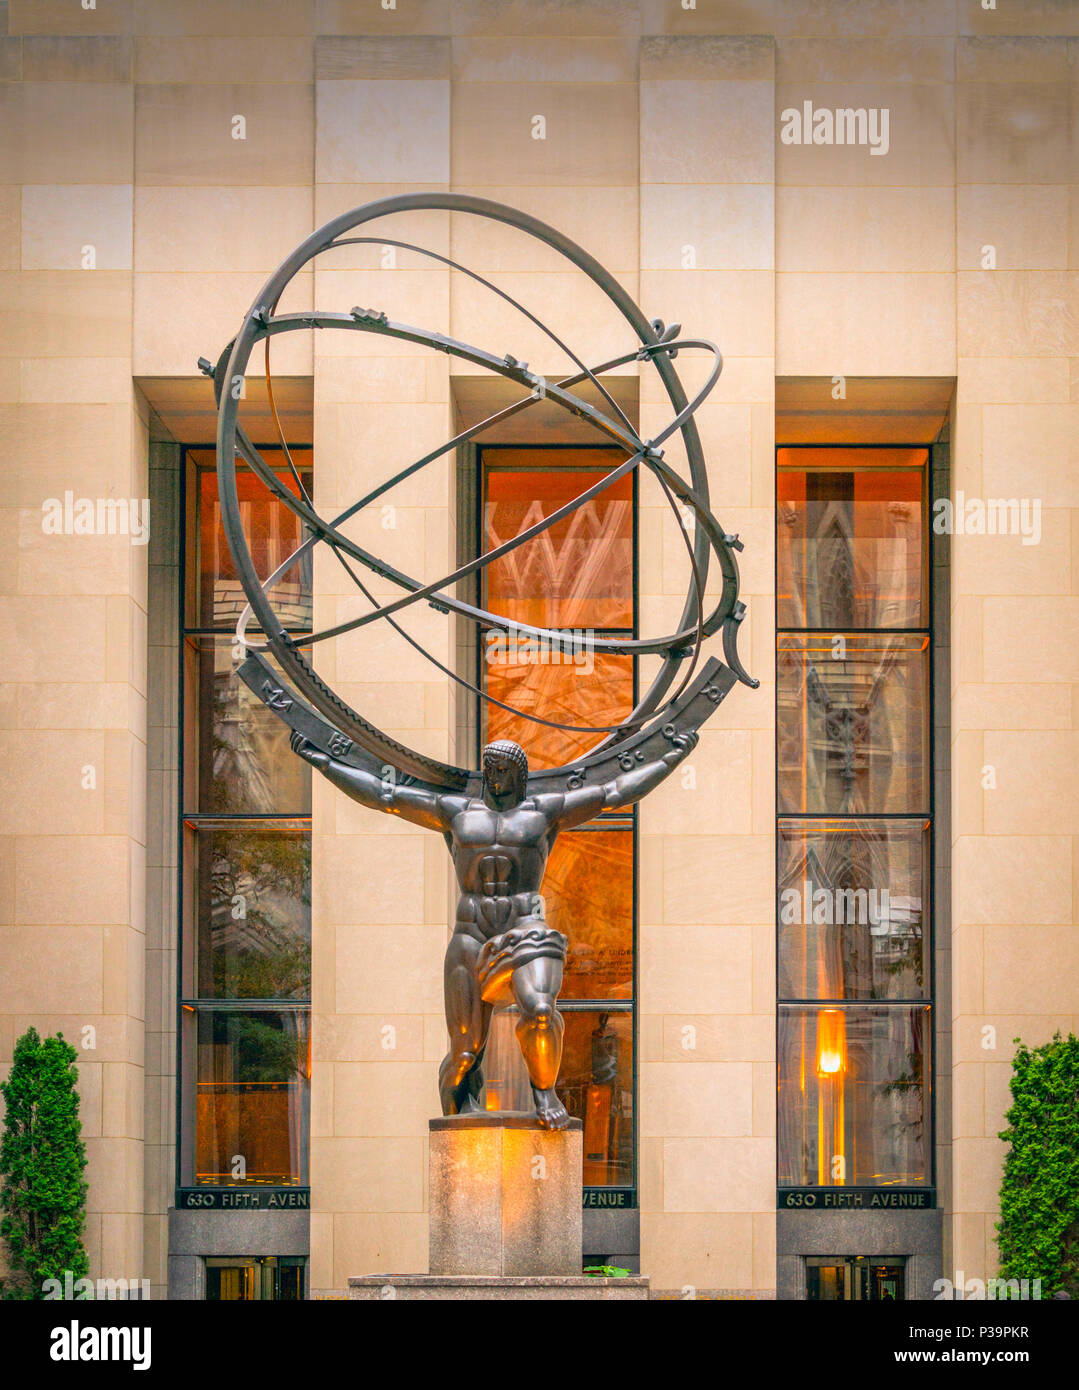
column 244, row 1199
column 856, row 1198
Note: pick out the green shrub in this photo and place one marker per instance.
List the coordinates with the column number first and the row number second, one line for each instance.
column 1038, row 1231
column 42, row 1157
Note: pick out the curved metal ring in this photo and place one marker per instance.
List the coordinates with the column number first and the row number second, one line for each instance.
column 258, row 323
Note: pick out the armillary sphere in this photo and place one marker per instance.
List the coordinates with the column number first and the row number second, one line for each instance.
column 679, row 698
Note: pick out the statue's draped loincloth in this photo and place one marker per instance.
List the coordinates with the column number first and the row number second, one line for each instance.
column 531, row 939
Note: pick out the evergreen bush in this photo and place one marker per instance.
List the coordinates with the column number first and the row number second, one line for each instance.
column 1038, row 1231
column 42, row 1157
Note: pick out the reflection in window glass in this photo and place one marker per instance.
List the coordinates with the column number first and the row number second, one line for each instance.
column 854, row 1096
column 273, row 533
column 244, row 761
column 572, row 686
column 579, row 572
column 851, row 909
column 850, row 539
column 589, row 892
column 253, row 897
column 852, row 716
column 596, row 1086
column 252, row 1096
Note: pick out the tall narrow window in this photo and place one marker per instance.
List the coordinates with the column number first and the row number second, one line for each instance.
column 246, row 901
column 579, row 579
column 855, row 818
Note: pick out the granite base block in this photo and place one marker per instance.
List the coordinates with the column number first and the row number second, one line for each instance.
column 505, row 1197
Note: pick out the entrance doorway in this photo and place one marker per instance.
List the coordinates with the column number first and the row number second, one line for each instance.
column 256, row 1278
column 855, row 1278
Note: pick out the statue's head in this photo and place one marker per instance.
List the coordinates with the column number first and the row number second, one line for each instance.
column 505, row 770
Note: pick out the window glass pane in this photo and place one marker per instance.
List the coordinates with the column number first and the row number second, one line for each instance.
column 252, row 897
column 245, row 764
column 589, row 891
column 596, row 1085
column 588, row 688
column 852, row 900
column 579, row 573
column 850, row 540
column 273, row 532
column 854, row 1100
column 852, row 724
column 252, row 1096
column 290, row 1280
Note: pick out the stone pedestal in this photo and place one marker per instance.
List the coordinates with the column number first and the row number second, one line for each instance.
column 505, row 1197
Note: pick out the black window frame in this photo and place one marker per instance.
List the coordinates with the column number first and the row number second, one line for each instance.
column 190, row 471
column 926, row 629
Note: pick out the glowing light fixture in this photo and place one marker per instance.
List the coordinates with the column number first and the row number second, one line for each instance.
column 831, row 1043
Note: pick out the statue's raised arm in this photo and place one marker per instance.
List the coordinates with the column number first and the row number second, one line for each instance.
column 422, row 806
column 584, row 803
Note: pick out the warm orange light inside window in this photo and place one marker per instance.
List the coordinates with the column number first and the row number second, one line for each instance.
column 831, row 1043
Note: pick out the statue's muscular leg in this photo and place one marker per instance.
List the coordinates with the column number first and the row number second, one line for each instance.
column 539, row 1032
column 468, row 1018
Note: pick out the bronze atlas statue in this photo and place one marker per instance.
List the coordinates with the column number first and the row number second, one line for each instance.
column 500, row 820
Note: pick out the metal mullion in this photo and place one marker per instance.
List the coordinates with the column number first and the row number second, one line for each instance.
column 825, row 444
column 837, row 817
column 211, row 447
column 853, row 631
column 195, row 819
column 868, row 815
column 603, row 1006
column 230, row 632
column 924, row 1003
column 291, row 1004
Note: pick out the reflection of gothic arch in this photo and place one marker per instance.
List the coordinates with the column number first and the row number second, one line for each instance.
column 833, row 578
column 846, row 740
column 851, row 860
column 590, row 541
column 834, row 575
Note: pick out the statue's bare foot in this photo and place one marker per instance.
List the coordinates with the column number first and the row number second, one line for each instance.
column 550, row 1111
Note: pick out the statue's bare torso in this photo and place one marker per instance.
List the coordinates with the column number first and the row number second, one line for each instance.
column 500, row 843
column 500, row 858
